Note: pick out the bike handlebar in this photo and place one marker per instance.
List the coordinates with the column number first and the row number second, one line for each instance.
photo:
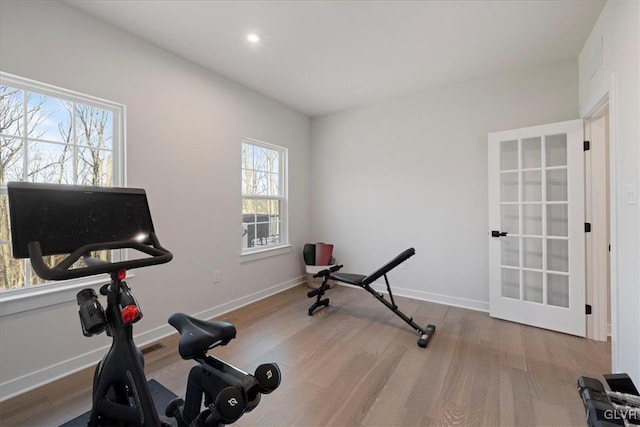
column 62, row 270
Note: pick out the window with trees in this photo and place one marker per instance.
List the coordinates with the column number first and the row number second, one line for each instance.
column 52, row 135
column 263, row 195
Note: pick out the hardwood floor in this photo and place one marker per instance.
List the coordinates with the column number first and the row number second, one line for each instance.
column 356, row 364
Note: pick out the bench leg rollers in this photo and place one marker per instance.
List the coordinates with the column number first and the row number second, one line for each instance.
column 425, row 336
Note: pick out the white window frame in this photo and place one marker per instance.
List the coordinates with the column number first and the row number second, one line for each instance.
column 33, row 297
column 283, row 247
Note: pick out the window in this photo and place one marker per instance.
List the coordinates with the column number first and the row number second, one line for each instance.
column 263, row 196
column 52, row 135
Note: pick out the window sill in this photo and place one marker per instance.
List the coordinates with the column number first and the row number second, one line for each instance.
column 258, row 254
column 21, row 300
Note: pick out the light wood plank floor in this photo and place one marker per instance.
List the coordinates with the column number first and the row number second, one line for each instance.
column 356, row 364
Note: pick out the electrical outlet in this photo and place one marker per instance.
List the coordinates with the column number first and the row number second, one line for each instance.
column 216, row 276
column 632, row 195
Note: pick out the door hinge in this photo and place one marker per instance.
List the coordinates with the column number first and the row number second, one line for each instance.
column 587, row 227
column 587, row 308
column 587, row 145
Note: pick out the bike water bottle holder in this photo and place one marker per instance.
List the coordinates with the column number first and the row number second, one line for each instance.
column 92, row 317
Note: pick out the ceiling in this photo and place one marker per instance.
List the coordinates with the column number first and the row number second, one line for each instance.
column 320, row 57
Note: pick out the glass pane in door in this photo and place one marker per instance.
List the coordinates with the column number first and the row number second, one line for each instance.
column 556, row 150
column 558, row 255
column 558, row 290
column 510, row 222
column 534, row 194
column 558, row 220
column 510, row 251
column 533, row 208
column 532, row 252
column 532, row 220
column 511, row 283
column 531, row 186
column 557, row 185
column 509, row 186
column 508, row 155
column 532, row 153
column 532, row 286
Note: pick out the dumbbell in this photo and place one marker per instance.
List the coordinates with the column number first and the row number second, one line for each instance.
column 600, row 409
column 229, row 405
column 621, row 383
column 268, row 377
column 619, row 397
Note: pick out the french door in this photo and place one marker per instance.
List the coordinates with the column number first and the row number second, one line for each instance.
column 536, row 226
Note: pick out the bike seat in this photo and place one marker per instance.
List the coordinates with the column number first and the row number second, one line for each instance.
column 197, row 336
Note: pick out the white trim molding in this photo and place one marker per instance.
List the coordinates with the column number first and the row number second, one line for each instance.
column 467, row 303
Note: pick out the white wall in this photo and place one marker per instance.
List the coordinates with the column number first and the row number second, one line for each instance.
column 619, row 75
column 413, row 172
column 404, row 172
column 184, row 129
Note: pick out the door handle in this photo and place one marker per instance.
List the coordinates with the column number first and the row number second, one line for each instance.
column 496, row 233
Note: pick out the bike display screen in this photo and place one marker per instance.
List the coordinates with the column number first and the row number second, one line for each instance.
column 62, row 218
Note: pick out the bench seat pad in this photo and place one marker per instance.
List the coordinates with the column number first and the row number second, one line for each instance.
column 352, row 279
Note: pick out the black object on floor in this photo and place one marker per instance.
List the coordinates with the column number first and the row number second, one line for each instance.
column 161, row 398
column 621, row 383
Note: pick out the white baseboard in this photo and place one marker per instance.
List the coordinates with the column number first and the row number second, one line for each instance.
column 16, row 386
column 256, row 296
column 437, row 298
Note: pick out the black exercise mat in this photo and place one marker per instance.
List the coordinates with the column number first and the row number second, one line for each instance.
column 161, row 398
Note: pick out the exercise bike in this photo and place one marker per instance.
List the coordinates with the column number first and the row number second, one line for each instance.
column 56, row 219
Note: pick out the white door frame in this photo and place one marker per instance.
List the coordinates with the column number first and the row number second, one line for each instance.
column 606, row 95
column 596, row 205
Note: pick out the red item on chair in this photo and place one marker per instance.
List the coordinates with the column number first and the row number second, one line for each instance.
column 324, row 252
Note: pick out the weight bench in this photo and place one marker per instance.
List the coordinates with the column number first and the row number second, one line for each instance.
column 365, row 282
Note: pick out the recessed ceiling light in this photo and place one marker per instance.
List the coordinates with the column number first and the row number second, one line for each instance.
column 254, row 38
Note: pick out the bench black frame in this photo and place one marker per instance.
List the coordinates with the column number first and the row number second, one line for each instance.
column 364, row 282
